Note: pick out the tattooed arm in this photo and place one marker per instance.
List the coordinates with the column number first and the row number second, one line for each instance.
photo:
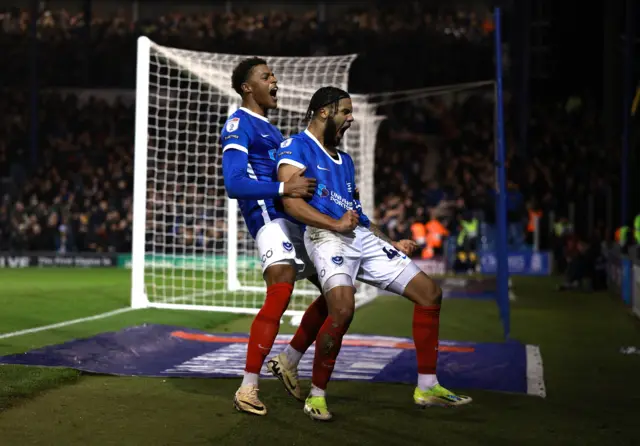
column 378, row 233
column 408, row 247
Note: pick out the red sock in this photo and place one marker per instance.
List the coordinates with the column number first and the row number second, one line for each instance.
column 310, row 325
column 328, row 345
column 266, row 324
column 426, row 324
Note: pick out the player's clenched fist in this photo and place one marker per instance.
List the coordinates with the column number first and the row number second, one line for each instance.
column 407, row 247
column 300, row 186
column 347, row 222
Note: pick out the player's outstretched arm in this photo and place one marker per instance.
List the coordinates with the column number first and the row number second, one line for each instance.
column 240, row 186
column 307, row 214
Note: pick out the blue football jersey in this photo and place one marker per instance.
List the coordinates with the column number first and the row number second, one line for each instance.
column 335, row 192
column 254, row 135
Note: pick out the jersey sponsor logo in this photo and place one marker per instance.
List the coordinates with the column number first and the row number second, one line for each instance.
column 348, row 187
column 228, row 137
column 322, row 191
column 322, row 168
column 272, row 154
column 340, row 201
column 284, row 153
column 338, row 260
column 232, row 124
column 287, row 246
column 286, row 143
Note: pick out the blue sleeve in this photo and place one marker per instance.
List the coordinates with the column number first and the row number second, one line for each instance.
column 238, row 183
column 363, row 220
column 291, row 151
column 236, row 140
column 236, row 135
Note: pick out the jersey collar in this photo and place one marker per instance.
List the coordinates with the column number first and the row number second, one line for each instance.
column 314, row 139
column 254, row 114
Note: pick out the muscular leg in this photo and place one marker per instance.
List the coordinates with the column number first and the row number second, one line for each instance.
column 264, row 329
column 341, row 305
column 310, row 324
column 421, row 289
column 285, row 365
column 340, row 297
column 425, row 293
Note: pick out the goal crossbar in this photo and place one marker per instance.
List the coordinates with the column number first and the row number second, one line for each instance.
column 191, row 250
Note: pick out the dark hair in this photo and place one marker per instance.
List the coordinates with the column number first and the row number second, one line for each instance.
column 323, row 97
column 242, row 71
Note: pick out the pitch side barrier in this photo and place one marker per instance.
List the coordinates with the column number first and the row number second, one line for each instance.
column 52, row 259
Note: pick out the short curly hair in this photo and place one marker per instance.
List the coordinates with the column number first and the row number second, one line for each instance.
column 242, row 71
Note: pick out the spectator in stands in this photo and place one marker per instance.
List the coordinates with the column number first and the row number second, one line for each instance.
column 586, row 266
column 434, row 155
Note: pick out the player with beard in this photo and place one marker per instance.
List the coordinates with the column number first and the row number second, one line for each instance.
column 364, row 254
column 249, row 143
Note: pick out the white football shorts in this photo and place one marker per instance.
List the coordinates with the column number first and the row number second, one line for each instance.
column 280, row 242
column 361, row 255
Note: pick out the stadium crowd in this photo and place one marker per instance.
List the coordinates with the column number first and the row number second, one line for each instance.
column 433, row 159
column 69, row 55
column 78, row 197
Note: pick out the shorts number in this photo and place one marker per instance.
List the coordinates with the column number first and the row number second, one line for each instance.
column 391, row 253
column 267, row 255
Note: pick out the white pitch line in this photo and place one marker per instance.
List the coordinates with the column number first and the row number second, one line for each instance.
column 535, row 372
column 65, row 323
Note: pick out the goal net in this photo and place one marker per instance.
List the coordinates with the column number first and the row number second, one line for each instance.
column 191, row 249
column 455, row 124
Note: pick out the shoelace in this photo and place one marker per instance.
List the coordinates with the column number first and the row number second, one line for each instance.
column 253, row 393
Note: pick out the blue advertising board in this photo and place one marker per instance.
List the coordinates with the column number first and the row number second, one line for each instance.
column 525, row 263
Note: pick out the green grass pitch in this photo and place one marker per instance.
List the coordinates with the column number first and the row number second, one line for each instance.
column 593, row 391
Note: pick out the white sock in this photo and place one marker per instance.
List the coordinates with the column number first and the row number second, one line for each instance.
column 293, row 355
column 316, row 391
column 250, row 378
column 425, row 382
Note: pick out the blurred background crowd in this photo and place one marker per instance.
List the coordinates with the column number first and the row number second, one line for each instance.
column 72, row 191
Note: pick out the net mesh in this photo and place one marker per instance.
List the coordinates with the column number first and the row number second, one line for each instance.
column 197, row 249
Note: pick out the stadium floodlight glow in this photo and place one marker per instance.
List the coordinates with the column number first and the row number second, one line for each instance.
column 191, row 249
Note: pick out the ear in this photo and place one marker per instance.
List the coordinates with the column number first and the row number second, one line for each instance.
column 246, row 88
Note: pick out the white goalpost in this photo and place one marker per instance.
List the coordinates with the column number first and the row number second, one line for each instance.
column 190, row 247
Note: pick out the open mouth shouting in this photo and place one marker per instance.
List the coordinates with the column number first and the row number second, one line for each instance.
column 343, row 129
column 273, row 92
